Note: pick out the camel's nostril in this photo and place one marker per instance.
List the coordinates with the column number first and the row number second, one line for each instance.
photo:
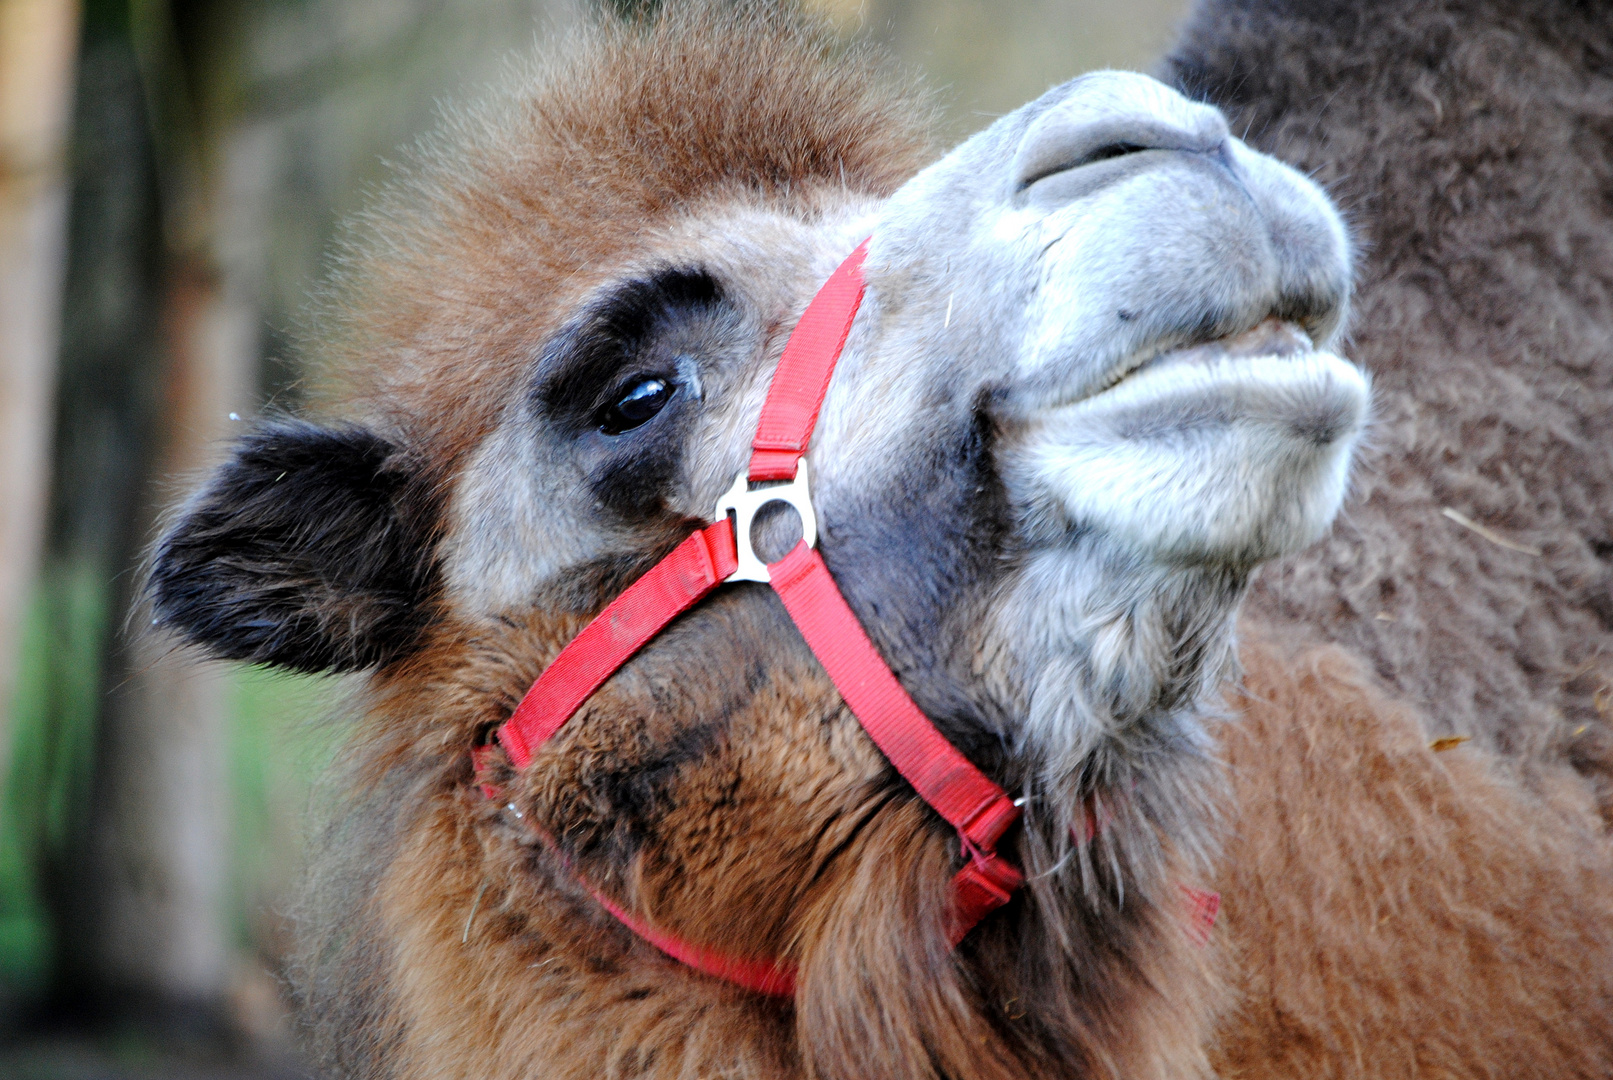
column 1105, row 152
column 1112, row 150
column 1102, row 117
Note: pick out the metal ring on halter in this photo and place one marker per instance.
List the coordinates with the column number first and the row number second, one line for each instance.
column 745, row 504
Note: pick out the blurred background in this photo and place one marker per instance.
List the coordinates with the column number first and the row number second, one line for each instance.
column 171, row 173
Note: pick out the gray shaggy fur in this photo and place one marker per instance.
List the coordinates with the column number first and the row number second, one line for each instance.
column 1471, row 144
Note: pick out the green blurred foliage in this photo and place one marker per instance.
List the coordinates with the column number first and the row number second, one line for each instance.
column 281, row 739
column 53, row 738
column 279, row 743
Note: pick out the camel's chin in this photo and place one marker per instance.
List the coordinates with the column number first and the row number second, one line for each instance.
column 1201, row 457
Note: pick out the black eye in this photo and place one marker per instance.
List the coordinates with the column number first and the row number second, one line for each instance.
column 642, row 401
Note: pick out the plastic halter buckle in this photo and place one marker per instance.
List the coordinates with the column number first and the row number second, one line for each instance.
column 745, row 503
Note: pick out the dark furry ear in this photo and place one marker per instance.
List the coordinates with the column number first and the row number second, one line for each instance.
column 311, row 549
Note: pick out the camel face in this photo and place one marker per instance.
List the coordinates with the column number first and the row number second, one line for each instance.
column 1142, row 304
column 1142, row 296
column 1084, row 396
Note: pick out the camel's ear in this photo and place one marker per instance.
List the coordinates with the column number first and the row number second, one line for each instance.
column 310, row 549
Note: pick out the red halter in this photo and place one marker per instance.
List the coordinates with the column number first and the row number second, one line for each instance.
column 946, row 780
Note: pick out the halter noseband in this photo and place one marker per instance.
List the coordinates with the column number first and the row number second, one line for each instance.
column 964, row 796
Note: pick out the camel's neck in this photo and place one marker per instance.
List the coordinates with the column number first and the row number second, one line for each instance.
column 755, row 816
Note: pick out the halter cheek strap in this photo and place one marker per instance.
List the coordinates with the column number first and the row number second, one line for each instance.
column 964, row 796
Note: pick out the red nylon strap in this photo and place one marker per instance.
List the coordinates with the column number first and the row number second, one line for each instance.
column 763, row 976
column 777, row 979
column 979, row 809
column 670, row 588
column 985, row 883
column 962, row 794
column 802, row 378
column 481, row 759
column 1203, row 906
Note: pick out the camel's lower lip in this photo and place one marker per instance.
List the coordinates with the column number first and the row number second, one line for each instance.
column 1271, row 373
column 1204, row 455
column 1271, row 337
column 1315, row 396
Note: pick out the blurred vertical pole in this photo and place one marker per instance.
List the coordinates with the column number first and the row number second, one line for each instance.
column 38, row 43
column 160, row 822
column 155, row 939
column 160, row 825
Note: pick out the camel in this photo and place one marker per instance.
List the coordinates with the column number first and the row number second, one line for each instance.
column 1447, row 913
column 1468, row 141
column 1091, row 385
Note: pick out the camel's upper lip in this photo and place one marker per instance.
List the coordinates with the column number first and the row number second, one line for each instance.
column 1272, row 336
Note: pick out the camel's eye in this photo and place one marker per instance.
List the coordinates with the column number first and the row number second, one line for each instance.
column 642, row 401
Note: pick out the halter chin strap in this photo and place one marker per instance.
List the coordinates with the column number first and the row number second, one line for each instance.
column 964, row 796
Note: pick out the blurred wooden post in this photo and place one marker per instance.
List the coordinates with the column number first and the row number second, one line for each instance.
column 161, row 836
column 38, row 43
column 162, row 820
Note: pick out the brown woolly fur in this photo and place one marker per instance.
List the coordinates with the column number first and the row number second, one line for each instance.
column 1396, row 912
column 469, row 949
column 444, row 935
column 1471, row 144
column 494, row 336
column 545, row 190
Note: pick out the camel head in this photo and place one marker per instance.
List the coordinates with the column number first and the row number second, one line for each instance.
column 1089, row 391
